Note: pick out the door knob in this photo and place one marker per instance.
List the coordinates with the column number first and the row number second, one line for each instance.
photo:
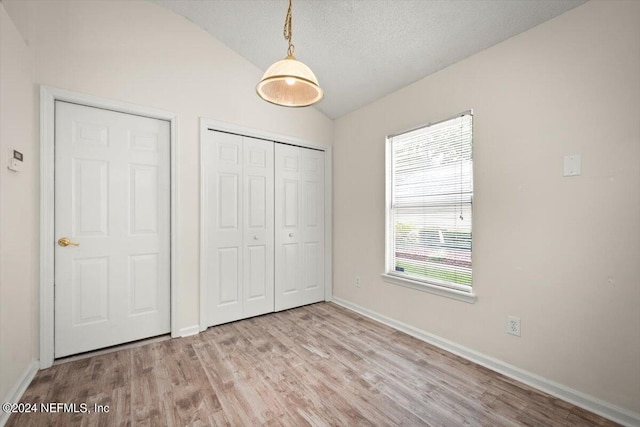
column 255, row 237
column 290, row 234
column 64, row 241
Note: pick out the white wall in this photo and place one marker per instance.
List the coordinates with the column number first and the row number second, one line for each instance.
column 545, row 247
column 18, row 209
column 139, row 52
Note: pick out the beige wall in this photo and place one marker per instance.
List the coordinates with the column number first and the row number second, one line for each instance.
column 18, row 209
column 563, row 254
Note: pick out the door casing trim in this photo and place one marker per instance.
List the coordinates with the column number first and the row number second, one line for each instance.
column 48, row 97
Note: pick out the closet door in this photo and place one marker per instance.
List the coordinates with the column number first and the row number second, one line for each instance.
column 258, row 227
column 237, row 179
column 222, row 159
column 299, row 236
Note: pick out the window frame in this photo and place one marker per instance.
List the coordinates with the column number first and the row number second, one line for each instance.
column 389, row 275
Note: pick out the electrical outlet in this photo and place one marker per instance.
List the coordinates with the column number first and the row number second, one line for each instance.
column 357, row 282
column 513, row 325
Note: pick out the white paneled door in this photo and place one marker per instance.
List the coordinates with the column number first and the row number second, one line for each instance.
column 112, row 205
column 237, row 226
column 299, row 217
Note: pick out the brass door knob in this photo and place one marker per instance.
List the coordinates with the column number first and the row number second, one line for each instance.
column 64, row 241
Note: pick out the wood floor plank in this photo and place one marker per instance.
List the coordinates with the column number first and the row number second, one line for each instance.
column 319, row 365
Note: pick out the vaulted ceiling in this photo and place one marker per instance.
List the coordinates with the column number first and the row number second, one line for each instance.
column 362, row 50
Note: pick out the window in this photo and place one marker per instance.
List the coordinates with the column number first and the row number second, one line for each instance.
column 429, row 207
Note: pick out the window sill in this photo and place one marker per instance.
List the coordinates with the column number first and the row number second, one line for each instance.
column 468, row 297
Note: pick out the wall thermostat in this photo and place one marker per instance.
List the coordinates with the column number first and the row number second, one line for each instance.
column 15, row 162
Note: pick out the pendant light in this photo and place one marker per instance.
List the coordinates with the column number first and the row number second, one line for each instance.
column 289, row 82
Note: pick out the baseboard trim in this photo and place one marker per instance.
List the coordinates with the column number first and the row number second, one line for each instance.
column 190, row 330
column 15, row 394
column 590, row 403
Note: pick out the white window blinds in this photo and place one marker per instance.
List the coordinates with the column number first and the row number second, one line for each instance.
column 431, row 204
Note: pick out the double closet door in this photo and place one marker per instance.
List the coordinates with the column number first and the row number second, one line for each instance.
column 262, row 227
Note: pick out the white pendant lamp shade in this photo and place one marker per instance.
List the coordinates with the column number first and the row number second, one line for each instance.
column 289, row 83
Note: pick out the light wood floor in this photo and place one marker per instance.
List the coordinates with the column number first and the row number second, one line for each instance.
column 315, row 365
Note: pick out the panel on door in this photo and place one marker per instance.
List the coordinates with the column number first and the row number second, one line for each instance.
column 312, row 223
column 299, row 233
column 222, row 153
column 112, row 199
column 237, row 227
column 258, row 227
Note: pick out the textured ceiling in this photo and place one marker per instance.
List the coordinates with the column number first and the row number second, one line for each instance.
column 361, row 50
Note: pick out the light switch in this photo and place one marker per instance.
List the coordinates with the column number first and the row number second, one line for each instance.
column 572, row 165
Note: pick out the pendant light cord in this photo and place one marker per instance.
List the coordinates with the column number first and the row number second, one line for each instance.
column 288, row 31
